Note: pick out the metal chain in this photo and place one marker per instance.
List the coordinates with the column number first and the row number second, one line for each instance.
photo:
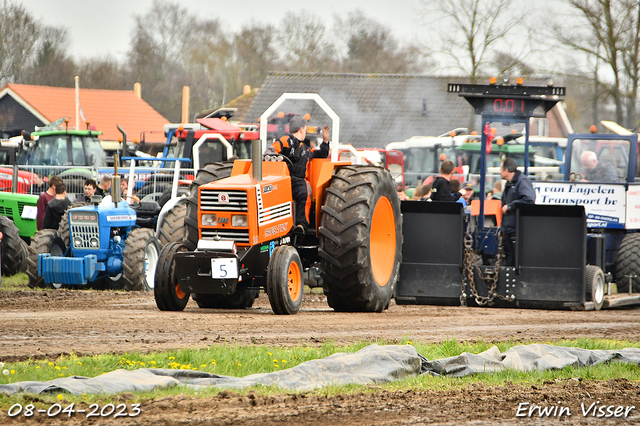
column 490, row 280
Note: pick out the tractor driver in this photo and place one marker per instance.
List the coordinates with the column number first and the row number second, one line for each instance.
column 597, row 171
column 292, row 145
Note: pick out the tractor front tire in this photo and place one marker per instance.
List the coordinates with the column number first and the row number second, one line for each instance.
column 360, row 239
column 12, row 250
column 628, row 263
column 45, row 241
column 210, row 173
column 172, row 229
column 167, row 292
column 285, row 283
column 241, row 299
column 141, row 253
column 595, row 286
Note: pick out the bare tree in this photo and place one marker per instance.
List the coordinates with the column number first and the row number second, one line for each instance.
column 604, row 35
column 52, row 66
column 371, row 48
column 19, row 35
column 304, row 45
column 631, row 60
column 255, row 53
column 472, row 31
column 104, row 73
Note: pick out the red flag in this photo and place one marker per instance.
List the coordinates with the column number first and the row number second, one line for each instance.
column 490, row 136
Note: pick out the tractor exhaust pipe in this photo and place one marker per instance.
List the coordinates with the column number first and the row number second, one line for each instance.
column 256, row 159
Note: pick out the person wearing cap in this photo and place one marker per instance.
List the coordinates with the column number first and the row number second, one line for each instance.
column 467, row 192
column 518, row 190
column 293, row 147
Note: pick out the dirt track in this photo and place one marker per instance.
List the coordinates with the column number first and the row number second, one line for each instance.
column 45, row 324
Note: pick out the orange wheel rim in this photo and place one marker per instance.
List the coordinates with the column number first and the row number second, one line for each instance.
column 294, row 281
column 382, row 241
column 181, row 294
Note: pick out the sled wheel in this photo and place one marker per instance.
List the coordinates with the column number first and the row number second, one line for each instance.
column 360, row 239
column 12, row 249
column 628, row 263
column 44, row 241
column 172, row 229
column 595, row 286
column 284, row 281
column 210, row 173
column 167, row 292
column 140, row 261
column 241, row 299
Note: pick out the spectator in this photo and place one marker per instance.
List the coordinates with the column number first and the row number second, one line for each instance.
column 441, row 188
column 497, row 190
column 518, row 190
column 597, row 171
column 401, row 194
column 422, row 193
column 89, row 190
column 124, row 185
column 489, row 195
column 56, row 208
column 455, row 187
column 104, row 186
column 467, row 192
column 44, row 199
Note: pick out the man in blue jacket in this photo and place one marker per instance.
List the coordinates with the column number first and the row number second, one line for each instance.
column 518, row 190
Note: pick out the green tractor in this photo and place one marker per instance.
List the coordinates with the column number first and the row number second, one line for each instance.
column 18, row 225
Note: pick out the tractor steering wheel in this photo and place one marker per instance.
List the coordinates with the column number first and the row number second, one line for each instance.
column 575, row 177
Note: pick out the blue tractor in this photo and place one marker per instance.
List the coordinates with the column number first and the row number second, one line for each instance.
column 106, row 250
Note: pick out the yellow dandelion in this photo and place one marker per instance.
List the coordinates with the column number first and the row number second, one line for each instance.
column 203, row 365
column 13, row 371
column 143, row 364
column 171, row 358
column 239, row 365
column 37, row 366
column 60, row 396
column 269, row 353
column 79, row 363
column 57, row 367
column 153, row 362
column 213, row 362
column 408, row 342
column 284, row 361
column 50, row 363
column 64, row 368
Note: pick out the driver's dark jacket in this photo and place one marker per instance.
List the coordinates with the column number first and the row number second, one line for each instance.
column 517, row 191
column 298, row 152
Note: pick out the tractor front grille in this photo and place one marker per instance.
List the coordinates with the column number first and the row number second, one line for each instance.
column 83, row 234
column 21, row 207
column 232, row 200
column 6, row 211
column 237, row 235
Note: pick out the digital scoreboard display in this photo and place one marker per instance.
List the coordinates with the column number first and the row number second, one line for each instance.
column 513, row 101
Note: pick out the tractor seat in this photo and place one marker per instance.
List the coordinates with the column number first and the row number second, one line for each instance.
column 492, row 211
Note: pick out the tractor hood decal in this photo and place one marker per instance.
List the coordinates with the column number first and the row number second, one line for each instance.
column 121, row 217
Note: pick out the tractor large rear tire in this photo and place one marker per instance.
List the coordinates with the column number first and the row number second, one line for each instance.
column 628, row 263
column 360, row 239
column 210, row 173
column 45, row 241
column 172, row 229
column 12, row 250
column 285, row 283
column 241, row 299
column 63, row 227
column 167, row 292
column 141, row 253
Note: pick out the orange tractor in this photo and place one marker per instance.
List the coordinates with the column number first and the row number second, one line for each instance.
column 244, row 240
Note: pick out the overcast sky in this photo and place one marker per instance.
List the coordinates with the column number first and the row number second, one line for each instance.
column 98, row 27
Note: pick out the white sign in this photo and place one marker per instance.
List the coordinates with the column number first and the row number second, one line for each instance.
column 224, row 267
column 121, row 217
column 604, row 204
column 633, row 207
column 29, row 212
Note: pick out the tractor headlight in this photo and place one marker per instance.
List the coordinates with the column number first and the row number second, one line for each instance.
column 77, row 242
column 209, row 220
column 94, row 242
column 117, row 239
column 238, row 220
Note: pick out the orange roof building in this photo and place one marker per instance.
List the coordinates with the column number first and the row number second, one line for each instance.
column 24, row 107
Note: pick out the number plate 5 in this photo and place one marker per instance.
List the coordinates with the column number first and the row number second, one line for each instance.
column 225, row 267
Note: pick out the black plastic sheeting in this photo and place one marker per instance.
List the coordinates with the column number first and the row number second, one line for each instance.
column 371, row 365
